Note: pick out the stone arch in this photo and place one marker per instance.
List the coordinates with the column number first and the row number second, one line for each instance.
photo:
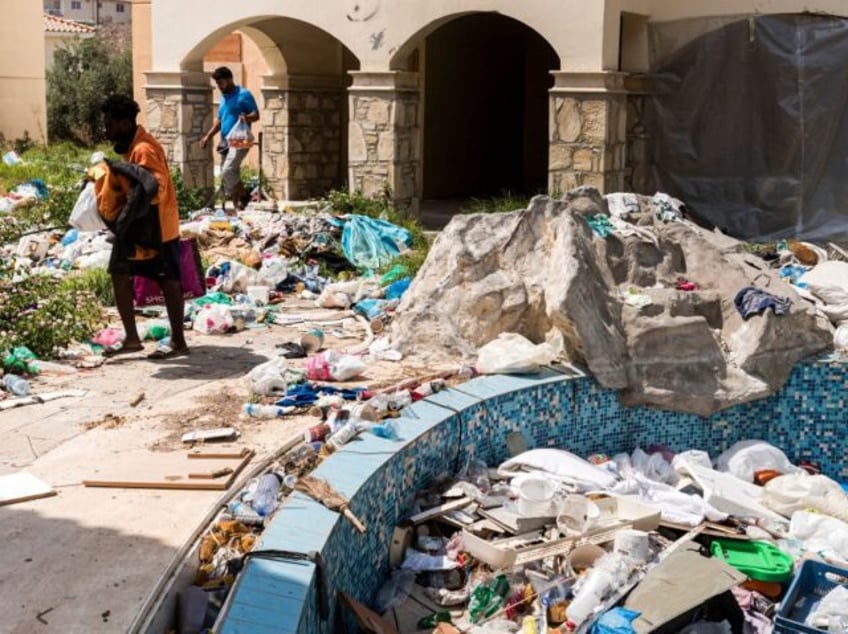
column 485, row 108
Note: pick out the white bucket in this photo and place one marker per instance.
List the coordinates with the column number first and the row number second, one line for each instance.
column 633, row 545
column 534, row 496
column 259, row 294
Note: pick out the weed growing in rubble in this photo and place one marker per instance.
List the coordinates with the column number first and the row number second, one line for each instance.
column 44, row 314
column 496, row 204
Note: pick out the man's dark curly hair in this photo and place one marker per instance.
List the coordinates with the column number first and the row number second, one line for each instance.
column 121, row 107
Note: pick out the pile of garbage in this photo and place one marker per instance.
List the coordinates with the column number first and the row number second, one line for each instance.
column 651, row 303
column 552, row 542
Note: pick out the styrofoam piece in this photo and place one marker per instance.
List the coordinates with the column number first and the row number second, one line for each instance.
column 729, row 494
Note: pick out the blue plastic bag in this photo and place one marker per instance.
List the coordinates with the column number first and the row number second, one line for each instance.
column 370, row 243
column 616, row 621
column 397, row 289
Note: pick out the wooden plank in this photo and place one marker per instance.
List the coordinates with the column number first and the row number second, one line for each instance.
column 219, row 455
column 183, row 481
column 436, row 511
column 368, row 620
column 22, row 487
column 210, row 475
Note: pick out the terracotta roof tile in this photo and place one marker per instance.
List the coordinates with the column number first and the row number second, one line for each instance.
column 55, row 24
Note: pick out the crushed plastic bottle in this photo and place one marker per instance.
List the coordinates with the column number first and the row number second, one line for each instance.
column 265, row 498
column 17, row 385
column 256, row 410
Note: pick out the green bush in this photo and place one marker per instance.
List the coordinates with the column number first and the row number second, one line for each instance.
column 188, row 199
column 82, row 75
column 496, row 204
column 98, row 282
column 44, row 314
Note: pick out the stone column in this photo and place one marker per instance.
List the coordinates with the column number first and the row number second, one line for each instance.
column 588, row 116
column 179, row 112
column 384, row 136
column 302, row 134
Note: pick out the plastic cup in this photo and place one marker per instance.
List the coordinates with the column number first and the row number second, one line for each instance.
column 313, row 340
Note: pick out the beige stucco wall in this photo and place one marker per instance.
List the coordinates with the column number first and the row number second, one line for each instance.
column 142, row 50
column 23, row 106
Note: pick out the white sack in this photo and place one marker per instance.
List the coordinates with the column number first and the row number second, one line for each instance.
column 511, row 353
column 747, row 457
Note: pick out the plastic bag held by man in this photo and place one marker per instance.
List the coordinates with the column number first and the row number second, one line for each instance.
column 84, row 215
column 240, row 136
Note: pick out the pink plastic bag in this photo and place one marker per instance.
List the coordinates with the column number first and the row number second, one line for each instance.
column 192, row 278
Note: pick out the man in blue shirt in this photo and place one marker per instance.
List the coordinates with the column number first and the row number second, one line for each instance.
column 237, row 104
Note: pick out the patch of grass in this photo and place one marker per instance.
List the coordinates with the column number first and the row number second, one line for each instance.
column 496, row 204
column 188, row 199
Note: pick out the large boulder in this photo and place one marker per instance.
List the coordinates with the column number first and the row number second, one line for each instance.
column 543, row 273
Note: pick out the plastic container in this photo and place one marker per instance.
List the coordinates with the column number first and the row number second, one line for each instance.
column 588, row 599
column 633, row 545
column 534, row 496
column 810, row 585
column 267, row 492
column 761, row 561
column 576, row 514
column 17, row 385
column 255, row 410
column 341, row 437
column 584, row 556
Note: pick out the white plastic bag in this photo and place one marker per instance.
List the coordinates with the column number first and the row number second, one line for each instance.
column 820, row 534
column 85, row 216
column 511, row 353
column 795, row 492
column 269, row 377
column 240, row 137
column 747, row 457
column 213, row 319
column 831, row 611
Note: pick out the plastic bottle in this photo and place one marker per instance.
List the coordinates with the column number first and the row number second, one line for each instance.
column 48, row 367
column 17, row 385
column 487, row 598
column 597, row 584
column 244, row 513
column 255, row 410
column 344, row 434
column 266, row 494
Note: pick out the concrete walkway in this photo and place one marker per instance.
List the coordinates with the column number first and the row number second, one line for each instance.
column 84, row 560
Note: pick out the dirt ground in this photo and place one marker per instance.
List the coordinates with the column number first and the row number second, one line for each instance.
column 83, row 560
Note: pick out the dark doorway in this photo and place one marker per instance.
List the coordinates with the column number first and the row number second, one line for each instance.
column 486, row 108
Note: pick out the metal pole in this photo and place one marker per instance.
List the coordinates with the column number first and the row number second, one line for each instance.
column 261, row 192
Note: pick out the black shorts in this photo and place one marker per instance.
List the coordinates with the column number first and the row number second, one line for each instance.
column 165, row 266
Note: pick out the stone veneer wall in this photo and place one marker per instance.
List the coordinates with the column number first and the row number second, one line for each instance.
column 587, row 132
column 179, row 112
column 302, row 140
column 383, row 136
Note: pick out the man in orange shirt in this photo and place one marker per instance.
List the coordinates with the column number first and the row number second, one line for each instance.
column 161, row 263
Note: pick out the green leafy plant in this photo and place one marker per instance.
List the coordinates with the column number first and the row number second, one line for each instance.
column 82, row 75
column 189, row 199
column 43, row 314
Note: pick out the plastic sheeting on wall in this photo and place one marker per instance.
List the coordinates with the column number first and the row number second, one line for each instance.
column 750, row 127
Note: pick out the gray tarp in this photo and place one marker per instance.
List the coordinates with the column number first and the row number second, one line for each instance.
column 750, row 128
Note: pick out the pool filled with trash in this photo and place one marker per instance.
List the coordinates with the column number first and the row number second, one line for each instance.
column 518, row 503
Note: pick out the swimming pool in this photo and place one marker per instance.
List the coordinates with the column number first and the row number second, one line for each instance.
column 807, row 419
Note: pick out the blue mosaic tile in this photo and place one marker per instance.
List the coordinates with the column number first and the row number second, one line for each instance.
column 439, row 434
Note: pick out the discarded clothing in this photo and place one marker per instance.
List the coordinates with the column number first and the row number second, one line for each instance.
column 600, row 224
column 753, row 301
column 371, row 243
column 667, row 208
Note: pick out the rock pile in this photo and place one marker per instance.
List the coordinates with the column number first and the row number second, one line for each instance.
column 613, row 303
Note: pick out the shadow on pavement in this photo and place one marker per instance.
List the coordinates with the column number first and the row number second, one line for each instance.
column 111, row 572
column 207, row 363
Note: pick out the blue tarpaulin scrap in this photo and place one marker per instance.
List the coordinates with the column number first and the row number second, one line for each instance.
column 370, row 243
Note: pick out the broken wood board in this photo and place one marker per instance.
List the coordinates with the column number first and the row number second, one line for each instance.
column 442, row 509
column 203, row 435
column 368, row 620
column 174, row 471
column 501, row 557
column 22, row 487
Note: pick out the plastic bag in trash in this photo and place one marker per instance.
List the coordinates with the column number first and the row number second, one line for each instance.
column 213, row 319
column 395, row 591
column 269, row 377
column 511, row 353
column 616, row 621
column 84, row 215
column 370, row 243
column 18, row 361
column 332, row 365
